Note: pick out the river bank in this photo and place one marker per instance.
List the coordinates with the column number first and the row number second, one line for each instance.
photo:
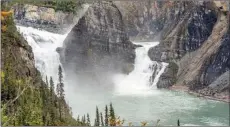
column 217, row 97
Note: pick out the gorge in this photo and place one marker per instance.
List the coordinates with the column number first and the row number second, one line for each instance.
column 124, row 53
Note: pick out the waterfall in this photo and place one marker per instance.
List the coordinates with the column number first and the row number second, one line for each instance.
column 145, row 75
column 140, row 81
column 44, row 45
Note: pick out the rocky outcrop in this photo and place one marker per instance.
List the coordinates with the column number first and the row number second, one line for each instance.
column 98, row 43
column 196, row 42
column 17, row 56
column 45, row 18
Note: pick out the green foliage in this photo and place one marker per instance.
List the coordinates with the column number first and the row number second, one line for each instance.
column 97, row 122
column 67, row 5
column 58, row 5
column 112, row 117
column 102, row 120
column 106, row 116
column 178, row 122
column 88, row 120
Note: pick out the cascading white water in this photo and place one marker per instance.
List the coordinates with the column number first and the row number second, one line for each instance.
column 139, row 81
column 44, row 45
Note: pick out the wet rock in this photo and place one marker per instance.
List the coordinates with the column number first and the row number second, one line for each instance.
column 99, row 42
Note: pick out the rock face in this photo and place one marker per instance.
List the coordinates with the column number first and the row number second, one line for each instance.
column 196, row 42
column 44, row 18
column 18, row 55
column 145, row 20
column 139, row 18
column 98, row 43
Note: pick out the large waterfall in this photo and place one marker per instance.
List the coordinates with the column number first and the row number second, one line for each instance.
column 134, row 96
column 44, row 46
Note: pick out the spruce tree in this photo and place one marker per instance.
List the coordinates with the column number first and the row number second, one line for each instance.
column 60, row 91
column 102, row 122
column 106, row 116
column 44, row 102
column 178, row 122
column 112, row 115
column 47, row 83
column 97, row 117
column 61, row 82
column 51, row 88
column 52, row 102
column 88, row 120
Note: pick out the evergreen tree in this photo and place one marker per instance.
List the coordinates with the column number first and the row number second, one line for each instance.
column 43, row 95
column 102, row 122
column 78, row 119
column 47, row 83
column 88, row 120
column 52, row 102
column 83, row 121
column 60, row 92
column 97, row 117
column 52, row 88
column 178, row 122
column 61, row 82
column 106, row 116
column 112, row 116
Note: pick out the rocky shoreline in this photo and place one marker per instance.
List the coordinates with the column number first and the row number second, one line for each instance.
column 218, row 97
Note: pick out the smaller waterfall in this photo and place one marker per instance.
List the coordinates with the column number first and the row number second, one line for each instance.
column 140, row 80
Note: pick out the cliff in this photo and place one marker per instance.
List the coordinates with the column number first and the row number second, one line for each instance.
column 98, row 43
column 196, row 46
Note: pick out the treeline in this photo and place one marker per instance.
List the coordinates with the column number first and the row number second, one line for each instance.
column 26, row 104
